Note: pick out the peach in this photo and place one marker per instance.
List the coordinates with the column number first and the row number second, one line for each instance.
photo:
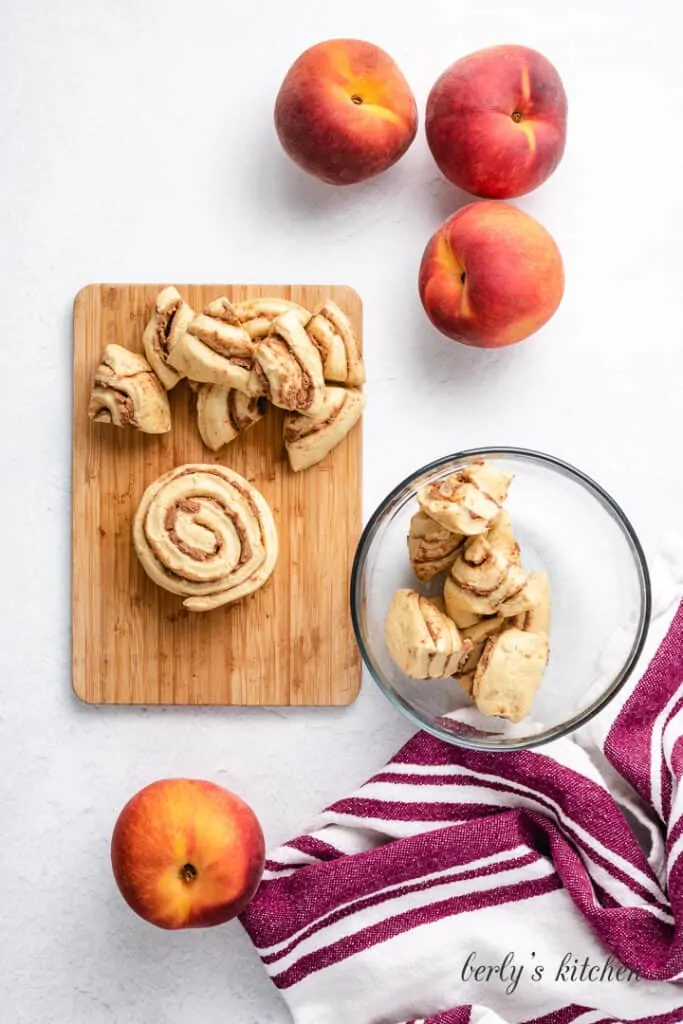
column 497, row 121
column 187, row 854
column 491, row 275
column 345, row 112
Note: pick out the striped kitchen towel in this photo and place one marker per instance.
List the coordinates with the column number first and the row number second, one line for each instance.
column 458, row 886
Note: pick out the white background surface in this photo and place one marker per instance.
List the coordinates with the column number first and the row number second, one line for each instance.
column 136, row 143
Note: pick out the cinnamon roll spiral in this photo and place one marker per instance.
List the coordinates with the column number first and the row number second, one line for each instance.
column 206, row 534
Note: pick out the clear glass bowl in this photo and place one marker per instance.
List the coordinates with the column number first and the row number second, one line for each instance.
column 566, row 524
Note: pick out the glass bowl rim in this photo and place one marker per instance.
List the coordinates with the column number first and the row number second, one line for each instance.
column 611, row 506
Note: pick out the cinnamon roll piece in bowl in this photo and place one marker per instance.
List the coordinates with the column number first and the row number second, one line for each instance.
column 423, row 641
column 205, row 533
column 431, row 547
column 468, row 500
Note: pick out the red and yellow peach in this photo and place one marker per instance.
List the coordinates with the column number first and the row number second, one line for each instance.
column 497, row 121
column 345, row 112
column 187, row 854
column 491, row 276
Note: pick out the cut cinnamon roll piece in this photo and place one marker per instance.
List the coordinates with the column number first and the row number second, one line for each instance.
column 480, row 580
column 509, row 673
column 530, row 607
column 308, row 439
column 214, row 351
column 223, row 309
column 501, row 537
column 166, row 327
column 458, row 604
column 127, row 393
column 287, row 368
column 257, row 315
column 480, row 568
column 331, row 332
column 468, row 500
column 224, row 413
column 423, row 642
column 478, row 634
column 431, row 547
column 206, row 534
column 466, row 682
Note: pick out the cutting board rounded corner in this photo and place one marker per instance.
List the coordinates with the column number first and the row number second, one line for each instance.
column 351, row 292
column 80, row 694
column 83, row 296
column 354, row 694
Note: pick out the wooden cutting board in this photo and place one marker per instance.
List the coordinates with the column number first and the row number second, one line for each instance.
column 133, row 643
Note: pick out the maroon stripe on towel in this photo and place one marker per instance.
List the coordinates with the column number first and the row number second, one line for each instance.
column 461, row 1015
column 285, row 906
column 389, row 929
column 458, row 812
column 567, row 1015
column 677, row 757
column 315, row 848
column 673, row 1017
column 564, row 1016
column 674, row 834
column 276, row 865
column 629, row 742
column 581, row 799
column 386, row 897
column 389, row 810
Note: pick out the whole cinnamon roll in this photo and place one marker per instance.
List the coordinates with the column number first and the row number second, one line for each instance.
column 206, row 534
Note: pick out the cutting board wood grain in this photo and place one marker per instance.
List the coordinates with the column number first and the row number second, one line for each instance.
column 133, row 643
